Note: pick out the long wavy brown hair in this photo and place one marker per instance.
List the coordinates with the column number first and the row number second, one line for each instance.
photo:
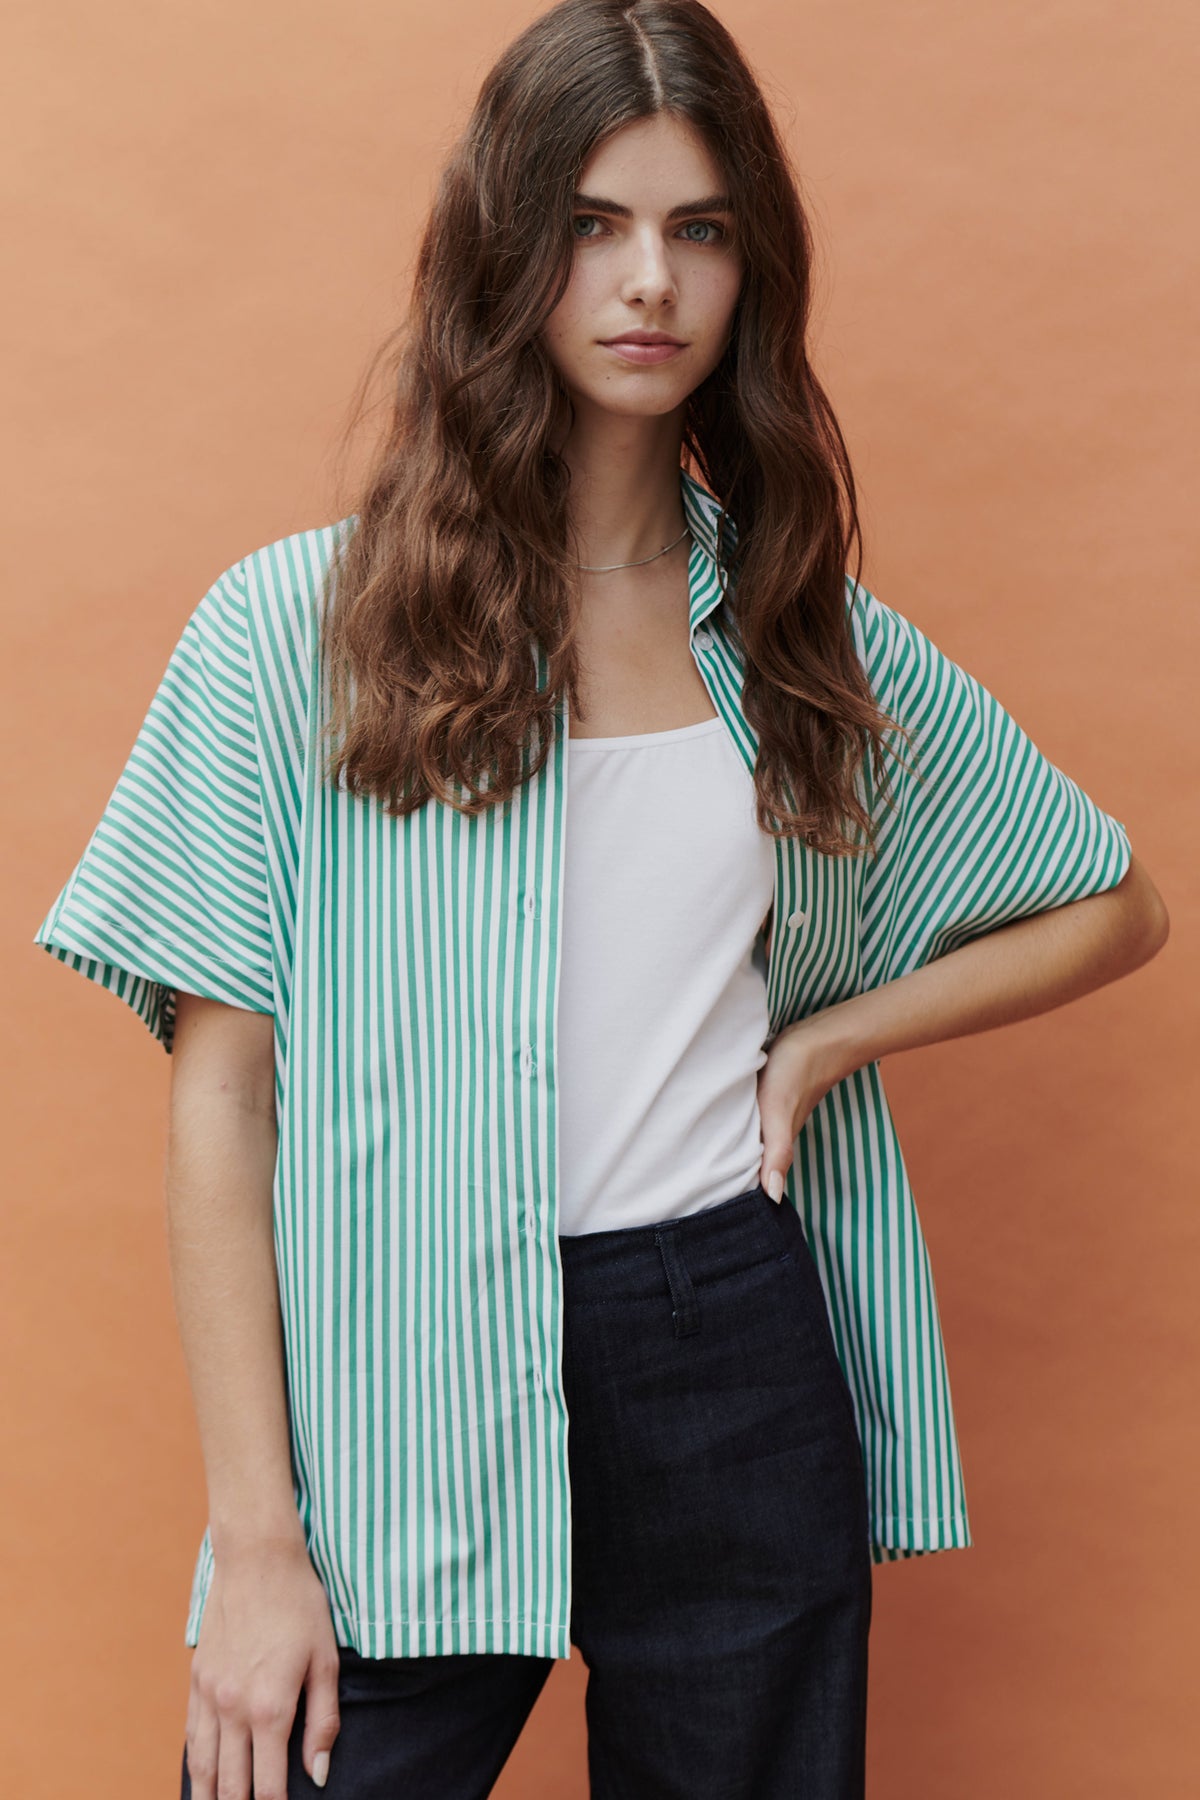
column 457, row 566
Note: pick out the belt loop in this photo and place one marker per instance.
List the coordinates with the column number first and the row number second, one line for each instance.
column 685, row 1309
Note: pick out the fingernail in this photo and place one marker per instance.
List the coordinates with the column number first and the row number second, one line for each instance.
column 321, row 1767
column 775, row 1185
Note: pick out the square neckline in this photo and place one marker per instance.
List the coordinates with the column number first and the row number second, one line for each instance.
column 646, row 739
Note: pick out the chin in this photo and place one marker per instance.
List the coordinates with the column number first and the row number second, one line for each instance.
column 633, row 405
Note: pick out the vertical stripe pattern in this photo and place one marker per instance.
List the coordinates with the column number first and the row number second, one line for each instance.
column 412, row 966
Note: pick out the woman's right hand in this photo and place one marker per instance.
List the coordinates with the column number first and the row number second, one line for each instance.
column 265, row 1634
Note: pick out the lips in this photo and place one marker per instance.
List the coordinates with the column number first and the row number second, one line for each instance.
column 644, row 337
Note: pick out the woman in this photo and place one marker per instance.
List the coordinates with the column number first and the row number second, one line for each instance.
column 493, row 1114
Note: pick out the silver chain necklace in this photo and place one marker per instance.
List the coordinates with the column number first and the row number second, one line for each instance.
column 603, row 568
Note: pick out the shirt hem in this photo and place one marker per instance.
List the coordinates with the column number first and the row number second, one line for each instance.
column 401, row 1637
column 941, row 1531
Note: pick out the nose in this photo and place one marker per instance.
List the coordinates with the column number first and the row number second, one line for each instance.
column 649, row 275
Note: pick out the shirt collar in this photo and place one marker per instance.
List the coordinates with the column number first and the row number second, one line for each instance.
column 703, row 513
column 708, row 576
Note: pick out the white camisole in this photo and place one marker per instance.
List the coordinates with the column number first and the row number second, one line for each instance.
column 662, row 1005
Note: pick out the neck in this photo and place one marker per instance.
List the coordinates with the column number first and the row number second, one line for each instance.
column 625, row 497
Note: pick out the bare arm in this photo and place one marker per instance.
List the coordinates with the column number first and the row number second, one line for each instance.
column 220, row 1171
column 266, row 1631
column 1015, row 972
column 1026, row 967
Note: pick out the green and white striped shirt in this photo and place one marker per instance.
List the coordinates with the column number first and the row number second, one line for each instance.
column 412, row 967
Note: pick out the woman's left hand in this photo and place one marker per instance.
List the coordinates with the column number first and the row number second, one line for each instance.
column 800, row 1069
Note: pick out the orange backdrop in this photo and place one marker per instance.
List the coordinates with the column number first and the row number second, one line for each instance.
column 215, row 209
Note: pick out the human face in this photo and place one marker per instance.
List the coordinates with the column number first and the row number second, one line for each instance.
column 647, row 258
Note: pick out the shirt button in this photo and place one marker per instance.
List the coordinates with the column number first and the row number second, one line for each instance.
column 537, row 1376
column 527, row 1062
column 531, row 903
column 798, row 918
column 703, row 639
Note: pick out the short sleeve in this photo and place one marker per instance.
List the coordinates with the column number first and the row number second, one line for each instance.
column 172, row 891
column 986, row 831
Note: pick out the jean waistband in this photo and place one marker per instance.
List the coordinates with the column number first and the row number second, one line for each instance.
column 629, row 1262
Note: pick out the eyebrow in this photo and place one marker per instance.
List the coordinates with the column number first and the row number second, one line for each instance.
column 713, row 203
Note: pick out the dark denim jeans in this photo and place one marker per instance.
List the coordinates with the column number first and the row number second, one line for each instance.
column 721, row 1575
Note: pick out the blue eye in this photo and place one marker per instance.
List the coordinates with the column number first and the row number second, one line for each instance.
column 706, row 224
column 709, row 224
